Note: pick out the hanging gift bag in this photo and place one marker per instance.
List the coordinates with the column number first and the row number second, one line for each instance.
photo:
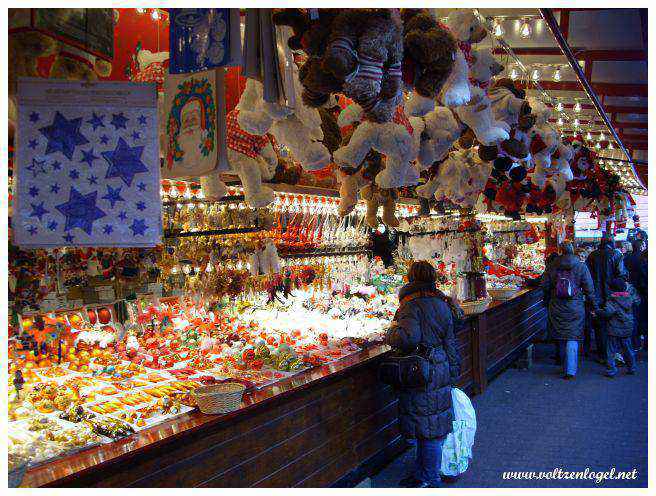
column 457, row 447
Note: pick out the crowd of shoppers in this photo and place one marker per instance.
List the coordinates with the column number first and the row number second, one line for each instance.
column 607, row 293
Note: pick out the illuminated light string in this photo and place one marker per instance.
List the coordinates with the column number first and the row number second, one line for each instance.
column 533, row 73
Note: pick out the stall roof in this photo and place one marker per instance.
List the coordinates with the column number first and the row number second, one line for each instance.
column 611, row 48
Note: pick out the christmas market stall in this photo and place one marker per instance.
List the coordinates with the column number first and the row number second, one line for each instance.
column 212, row 212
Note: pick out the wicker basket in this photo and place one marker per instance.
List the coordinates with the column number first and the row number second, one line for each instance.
column 219, row 398
column 502, row 293
column 476, row 306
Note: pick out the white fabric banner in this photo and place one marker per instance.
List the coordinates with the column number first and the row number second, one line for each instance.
column 87, row 164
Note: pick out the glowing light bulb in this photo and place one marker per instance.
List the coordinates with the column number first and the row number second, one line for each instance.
column 597, row 146
column 560, row 121
column 155, row 15
column 576, row 123
column 525, row 30
column 577, row 107
column 557, row 75
column 602, row 136
column 140, row 11
column 514, row 74
column 535, row 75
column 498, row 29
column 610, row 146
column 588, row 136
column 559, row 107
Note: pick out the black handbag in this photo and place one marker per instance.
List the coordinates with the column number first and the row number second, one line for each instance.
column 407, row 371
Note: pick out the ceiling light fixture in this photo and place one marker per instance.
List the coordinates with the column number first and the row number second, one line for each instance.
column 498, row 28
column 525, row 30
column 577, row 107
column 557, row 75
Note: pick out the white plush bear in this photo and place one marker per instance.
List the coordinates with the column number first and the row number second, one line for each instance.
column 544, row 142
column 480, row 119
column 265, row 261
column 484, row 67
column 461, row 178
column 391, row 139
column 298, row 128
column 440, row 131
column 252, row 158
column 467, row 28
column 506, row 107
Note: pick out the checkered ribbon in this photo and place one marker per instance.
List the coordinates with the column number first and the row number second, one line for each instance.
column 239, row 140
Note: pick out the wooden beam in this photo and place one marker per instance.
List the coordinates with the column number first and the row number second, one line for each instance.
column 581, row 53
column 610, row 109
column 564, row 23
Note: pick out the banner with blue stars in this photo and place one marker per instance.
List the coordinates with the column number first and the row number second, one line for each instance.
column 87, row 165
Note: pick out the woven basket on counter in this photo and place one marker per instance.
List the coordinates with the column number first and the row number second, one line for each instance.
column 219, row 398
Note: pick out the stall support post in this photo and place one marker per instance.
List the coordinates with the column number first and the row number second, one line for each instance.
column 479, row 352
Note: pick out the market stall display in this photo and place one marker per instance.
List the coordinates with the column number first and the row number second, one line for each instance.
column 259, row 285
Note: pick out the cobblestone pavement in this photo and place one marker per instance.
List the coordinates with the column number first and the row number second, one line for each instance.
column 533, row 420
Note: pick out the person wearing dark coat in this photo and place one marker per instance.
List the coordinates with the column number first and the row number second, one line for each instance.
column 425, row 319
column 636, row 266
column 566, row 315
column 618, row 314
column 605, row 263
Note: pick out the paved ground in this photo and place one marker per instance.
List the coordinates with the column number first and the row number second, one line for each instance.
column 532, row 420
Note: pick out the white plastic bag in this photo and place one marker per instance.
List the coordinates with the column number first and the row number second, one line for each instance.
column 457, row 447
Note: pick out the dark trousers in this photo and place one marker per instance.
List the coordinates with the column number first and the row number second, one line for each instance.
column 599, row 326
column 623, row 346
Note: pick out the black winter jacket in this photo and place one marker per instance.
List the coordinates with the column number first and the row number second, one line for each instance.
column 605, row 263
column 567, row 315
column 426, row 413
column 618, row 311
column 636, row 266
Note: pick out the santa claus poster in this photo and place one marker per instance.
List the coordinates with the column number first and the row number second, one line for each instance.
column 190, row 122
column 87, row 168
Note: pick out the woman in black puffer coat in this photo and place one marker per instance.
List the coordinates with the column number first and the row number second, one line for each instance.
column 425, row 317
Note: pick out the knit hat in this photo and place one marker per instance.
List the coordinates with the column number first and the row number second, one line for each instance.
column 617, row 284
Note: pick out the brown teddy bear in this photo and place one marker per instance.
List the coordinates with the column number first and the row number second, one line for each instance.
column 74, row 64
column 357, row 52
column 376, row 197
column 428, row 52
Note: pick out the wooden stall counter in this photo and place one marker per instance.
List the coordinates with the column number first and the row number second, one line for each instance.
column 323, row 427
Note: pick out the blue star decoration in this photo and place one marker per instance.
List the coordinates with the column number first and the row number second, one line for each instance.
column 37, row 167
column 34, row 191
column 73, row 174
column 141, row 206
column 54, row 188
column 136, row 135
column 119, row 121
column 68, row 238
column 142, row 120
column 34, row 117
column 38, row 210
column 92, row 179
column 141, row 186
column 63, row 135
column 138, row 227
column 113, row 195
column 124, row 161
column 56, row 165
column 88, row 157
column 108, row 229
column 33, row 144
column 104, row 139
column 122, row 215
column 32, row 230
column 96, row 121
column 52, row 225
column 80, row 210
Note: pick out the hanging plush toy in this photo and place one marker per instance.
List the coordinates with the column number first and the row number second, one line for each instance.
column 429, row 54
column 544, row 142
column 252, row 158
column 297, row 128
column 378, row 197
column 392, row 139
column 437, row 131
